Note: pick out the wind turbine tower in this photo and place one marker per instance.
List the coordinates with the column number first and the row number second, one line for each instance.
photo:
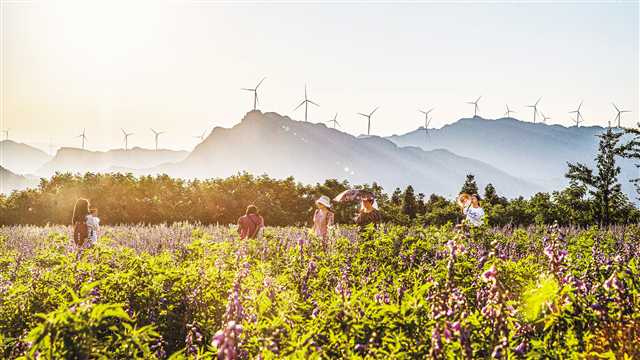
column 508, row 112
column 579, row 117
column 84, row 137
column 334, row 121
column 368, row 116
column 255, row 93
column 306, row 103
column 126, row 139
column 535, row 109
column 156, row 135
column 619, row 114
column 475, row 106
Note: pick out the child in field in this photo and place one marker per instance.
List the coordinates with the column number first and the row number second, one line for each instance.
column 93, row 223
column 323, row 218
column 250, row 225
column 470, row 205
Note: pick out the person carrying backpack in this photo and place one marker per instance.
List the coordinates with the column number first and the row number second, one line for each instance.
column 79, row 222
column 250, row 224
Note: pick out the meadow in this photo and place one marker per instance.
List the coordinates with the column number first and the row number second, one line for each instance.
column 195, row 291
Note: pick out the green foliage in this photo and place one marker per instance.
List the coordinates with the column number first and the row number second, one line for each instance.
column 394, row 292
column 540, row 293
column 603, row 185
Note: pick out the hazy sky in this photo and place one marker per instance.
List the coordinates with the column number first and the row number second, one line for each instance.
column 179, row 66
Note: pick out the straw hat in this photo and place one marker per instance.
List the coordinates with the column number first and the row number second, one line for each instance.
column 324, row 200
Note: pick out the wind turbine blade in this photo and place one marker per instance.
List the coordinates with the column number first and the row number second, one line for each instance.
column 124, row 132
column 424, row 112
column 374, row 110
column 313, row 103
column 260, row 82
column 430, row 110
column 247, row 89
column 365, row 115
column 614, row 105
column 540, row 98
column 480, row 97
column 302, row 103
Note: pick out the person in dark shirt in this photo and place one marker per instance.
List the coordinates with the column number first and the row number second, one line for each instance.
column 368, row 214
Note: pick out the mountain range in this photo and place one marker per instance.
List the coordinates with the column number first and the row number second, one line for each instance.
column 518, row 158
column 278, row 146
column 536, row 152
column 118, row 160
column 21, row 158
column 10, row 181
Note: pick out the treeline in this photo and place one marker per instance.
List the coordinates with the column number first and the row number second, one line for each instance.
column 123, row 198
column 593, row 197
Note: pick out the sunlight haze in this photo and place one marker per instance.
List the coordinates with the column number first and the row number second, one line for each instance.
column 179, row 66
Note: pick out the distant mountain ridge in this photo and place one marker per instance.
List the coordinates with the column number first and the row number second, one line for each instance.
column 21, row 158
column 536, row 152
column 278, row 146
column 10, row 181
column 79, row 160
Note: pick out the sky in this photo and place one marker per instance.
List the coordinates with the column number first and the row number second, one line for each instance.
column 178, row 66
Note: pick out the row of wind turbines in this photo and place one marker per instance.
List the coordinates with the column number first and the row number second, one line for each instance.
column 535, row 106
column 156, row 136
column 334, row 121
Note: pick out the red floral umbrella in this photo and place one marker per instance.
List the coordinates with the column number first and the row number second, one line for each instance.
column 352, row 195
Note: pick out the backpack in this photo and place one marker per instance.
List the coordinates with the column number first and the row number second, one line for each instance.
column 256, row 231
column 80, row 233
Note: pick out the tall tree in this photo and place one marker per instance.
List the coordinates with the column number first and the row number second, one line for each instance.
column 469, row 186
column 604, row 185
column 635, row 153
column 490, row 194
column 409, row 204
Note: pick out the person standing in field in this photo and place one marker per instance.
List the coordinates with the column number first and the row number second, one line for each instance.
column 79, row 222
column 93, row 222
column 323, row 218
column 470, row 205
column 368, row 213
column 250, row 225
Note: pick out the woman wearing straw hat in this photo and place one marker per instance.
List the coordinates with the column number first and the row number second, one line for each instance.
column 323, row 218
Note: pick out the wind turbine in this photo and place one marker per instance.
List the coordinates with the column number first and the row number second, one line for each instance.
column 255, row 93
column 509, row 111
column 619, row 115
column 475, row 106
column 544, row 118
column 334, row 121
column 535, row 109
column 369, row 119
column 426, row 119
column 126, row 139
column 579, row 117
column 156, row 135
column 306, row 103
column 84, row 137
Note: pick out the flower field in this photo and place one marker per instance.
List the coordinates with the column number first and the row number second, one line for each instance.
column 190, row 291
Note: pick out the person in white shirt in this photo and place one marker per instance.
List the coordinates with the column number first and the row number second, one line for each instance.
column 470, row 205
column 93, row 224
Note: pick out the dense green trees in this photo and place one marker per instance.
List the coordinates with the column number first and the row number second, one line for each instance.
column 123, row 198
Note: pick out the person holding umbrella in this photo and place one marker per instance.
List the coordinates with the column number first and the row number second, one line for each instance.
column 323, row 218
column 368, row 213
